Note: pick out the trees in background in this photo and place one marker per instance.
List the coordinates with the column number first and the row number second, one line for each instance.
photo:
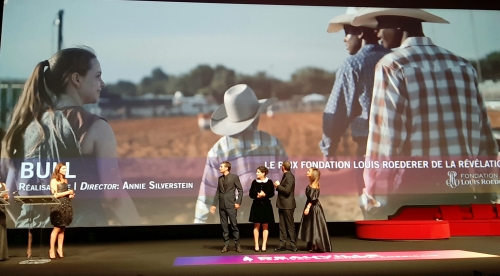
column 206, row 80
column 490, row 66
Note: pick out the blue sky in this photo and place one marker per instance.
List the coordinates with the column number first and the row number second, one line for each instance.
column 131, row 38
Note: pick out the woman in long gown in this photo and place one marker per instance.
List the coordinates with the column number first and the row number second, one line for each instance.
column 261, row 213
column 313, row 229
column 60, row 215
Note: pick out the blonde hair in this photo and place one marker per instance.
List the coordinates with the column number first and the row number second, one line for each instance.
column 314, row 178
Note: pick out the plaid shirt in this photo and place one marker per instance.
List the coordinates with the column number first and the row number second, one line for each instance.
column 245, row 151
column 350, row 100
column 425, row 103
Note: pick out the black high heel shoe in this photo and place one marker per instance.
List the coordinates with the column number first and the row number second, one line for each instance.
column 263, row 249
column 257, row 249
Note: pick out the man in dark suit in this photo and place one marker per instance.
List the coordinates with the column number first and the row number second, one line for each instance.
column 228, row 204
column 286, row 206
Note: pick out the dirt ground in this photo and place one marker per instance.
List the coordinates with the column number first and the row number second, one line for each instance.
column 180, row 137
column 494, row 118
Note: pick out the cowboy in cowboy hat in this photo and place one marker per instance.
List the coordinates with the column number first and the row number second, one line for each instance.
column 359, row 34
column 395, row 24
column 240, row 109
column 236, row 120
column 350, row 99
column 426, row 104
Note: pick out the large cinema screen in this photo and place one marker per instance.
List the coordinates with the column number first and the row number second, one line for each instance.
column 167, row 67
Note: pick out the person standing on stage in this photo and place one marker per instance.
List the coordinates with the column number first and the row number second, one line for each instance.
column 286, row 206
column 313, row 228
column 4, row 250
column 261, row 212
column 60, row 215
column 225, row 197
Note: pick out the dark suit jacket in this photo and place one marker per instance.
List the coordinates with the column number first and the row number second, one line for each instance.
column 286, row 192
column 227, row 198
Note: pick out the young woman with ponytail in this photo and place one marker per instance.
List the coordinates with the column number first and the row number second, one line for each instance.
column 49, row 125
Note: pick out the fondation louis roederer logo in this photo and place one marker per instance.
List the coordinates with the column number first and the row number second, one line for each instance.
column 452, row 180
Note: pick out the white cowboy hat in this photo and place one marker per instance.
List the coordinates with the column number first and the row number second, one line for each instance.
column 240, row 109
column 367, row 15
column 337, row 23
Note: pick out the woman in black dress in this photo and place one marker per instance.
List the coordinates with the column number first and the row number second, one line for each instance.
column 261, row 191
column 313, row 228
column 60, row 215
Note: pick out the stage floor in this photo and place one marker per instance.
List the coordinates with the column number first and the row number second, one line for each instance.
column 351, row 256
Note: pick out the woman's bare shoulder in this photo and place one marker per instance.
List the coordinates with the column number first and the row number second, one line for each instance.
column 100, row 140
